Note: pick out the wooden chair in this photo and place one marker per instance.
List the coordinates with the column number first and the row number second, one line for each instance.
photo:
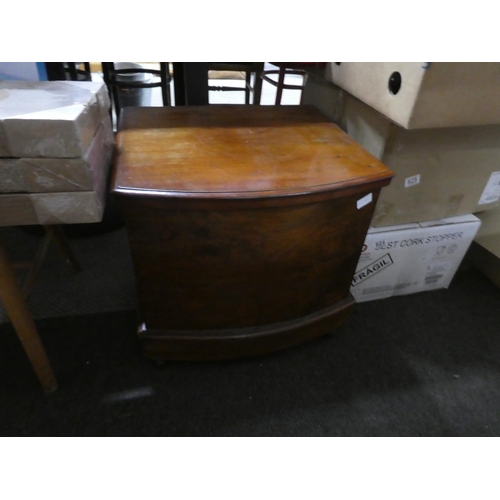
column 76, row 73
column 284, row 69
column 248, row 69
column 290, row 68
column 111, row 76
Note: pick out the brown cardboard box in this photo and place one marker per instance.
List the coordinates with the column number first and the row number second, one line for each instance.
column 424, row 95
column 489, row 234
column 325, row 96
column 485, row 261
column 485, row 251
column 440, row 173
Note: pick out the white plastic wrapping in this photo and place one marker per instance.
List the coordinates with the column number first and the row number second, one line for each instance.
column 44, row 175
column 11, row 176
column 75, row 207
column 69, row 208
column 17, row 210
column 78, row 185
column 50, row 119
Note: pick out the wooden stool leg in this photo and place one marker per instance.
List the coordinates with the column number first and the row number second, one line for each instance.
column 58, row 237
column 36, row 267
column 20, row 315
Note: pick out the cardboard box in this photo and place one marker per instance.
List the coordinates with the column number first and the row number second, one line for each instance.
column 50, row 119
column 412, row 258
column 419, row 95
column 485, row 250
column 324, row 96
column 488, row 235
column 485, row 262
column 440, row 173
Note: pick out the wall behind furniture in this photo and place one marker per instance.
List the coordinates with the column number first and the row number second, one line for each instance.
column 31, row 71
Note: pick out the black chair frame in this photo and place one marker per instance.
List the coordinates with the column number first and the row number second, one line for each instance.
column 280, row 82
column 77, row 74
column 248, row 69
column 111, row 74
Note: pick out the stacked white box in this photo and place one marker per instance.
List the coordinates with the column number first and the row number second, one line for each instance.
column 56, row 146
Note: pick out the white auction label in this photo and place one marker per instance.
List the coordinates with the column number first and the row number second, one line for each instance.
column 491, row 192
column 362, row 202
column 412, row 181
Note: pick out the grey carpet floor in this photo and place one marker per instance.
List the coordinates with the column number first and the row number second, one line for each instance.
column 105, row 284
column 420, row 365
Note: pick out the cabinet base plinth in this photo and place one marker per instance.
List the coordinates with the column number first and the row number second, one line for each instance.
column 214, row 345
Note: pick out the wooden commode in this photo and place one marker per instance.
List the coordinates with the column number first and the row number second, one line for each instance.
column 245, row 225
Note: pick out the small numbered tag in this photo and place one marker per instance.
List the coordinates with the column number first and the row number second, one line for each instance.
column 412, row 181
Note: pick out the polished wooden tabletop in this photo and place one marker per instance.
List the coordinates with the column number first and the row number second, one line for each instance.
column 227, row 151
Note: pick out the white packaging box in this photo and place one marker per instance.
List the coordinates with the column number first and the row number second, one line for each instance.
column 57, row 191
column 50, row 119
column 411, row 258
column 45, row 175
column 74, row 207
column 418, row 95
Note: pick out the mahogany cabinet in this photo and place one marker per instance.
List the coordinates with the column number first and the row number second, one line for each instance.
column 245, row 225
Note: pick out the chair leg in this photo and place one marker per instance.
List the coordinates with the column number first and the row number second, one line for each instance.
column 248, row 76
column 107, row 69
column 106, row 78
column 20, row 315
column 281, row 81
column 257, row 85
column 165, row 87
column 87, row 71
column 116, row 101
column 302, row 90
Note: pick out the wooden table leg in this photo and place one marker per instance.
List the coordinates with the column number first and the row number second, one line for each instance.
column 20, row 315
